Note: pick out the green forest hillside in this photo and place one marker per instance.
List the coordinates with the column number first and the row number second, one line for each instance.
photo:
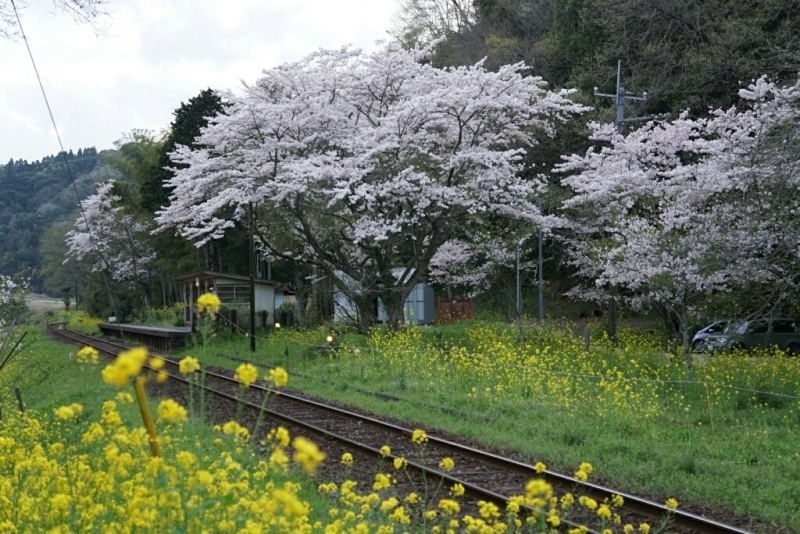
column 35, row 195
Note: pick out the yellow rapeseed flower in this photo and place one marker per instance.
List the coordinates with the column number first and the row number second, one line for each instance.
column 457, row 489
column 127, row 365
column 68, row 412
column 644, row 528
column 399, row 463
column 672, row 504
column 580, row 474
column 385, row 451
column 247, row 373
column 188, row 365
column 171, row 411
column 87, row 355
column 382, row 482
column 419, row 437
column 208, row 302
column 449, row 506
column 586, row 467
column 278, row 376
column 157, row 363
column 281, row 435
column 447, row 464
column 488, row 510
column 347, row 459
column 307, row 454
column 539, row 467
column 232, row 428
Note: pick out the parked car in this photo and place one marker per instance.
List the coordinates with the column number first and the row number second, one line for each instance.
column 699, row 340
column 757, row 333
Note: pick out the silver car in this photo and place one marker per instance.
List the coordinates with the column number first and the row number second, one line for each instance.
column 699, row 340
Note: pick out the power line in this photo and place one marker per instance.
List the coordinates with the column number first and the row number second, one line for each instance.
column 66, row 162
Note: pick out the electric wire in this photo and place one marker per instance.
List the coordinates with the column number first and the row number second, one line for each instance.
column 66, row 162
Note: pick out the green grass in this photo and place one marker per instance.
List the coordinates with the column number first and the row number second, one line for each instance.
column 656, row 438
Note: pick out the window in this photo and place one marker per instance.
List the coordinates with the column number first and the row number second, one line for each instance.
column 758, row 327
column 784, row 326
column 233, row 293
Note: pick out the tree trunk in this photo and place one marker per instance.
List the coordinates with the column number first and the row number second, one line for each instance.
column 395, row 317
column 611, row 327
column 365, row 305
column 300, row 296
column 687, row 354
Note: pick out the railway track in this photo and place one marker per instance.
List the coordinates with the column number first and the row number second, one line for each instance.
column 484, row 476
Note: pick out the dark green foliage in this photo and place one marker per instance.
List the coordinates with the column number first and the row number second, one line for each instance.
column 34, row 195
column 685, row 54
column 190, row 118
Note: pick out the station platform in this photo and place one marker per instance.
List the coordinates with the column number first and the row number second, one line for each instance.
column 157, row 337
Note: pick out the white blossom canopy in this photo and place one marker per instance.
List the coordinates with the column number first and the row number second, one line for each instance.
column 111, row 239
column 367, row 162
column 679, row 209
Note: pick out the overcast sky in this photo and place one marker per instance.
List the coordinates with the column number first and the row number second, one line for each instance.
column 157, row 54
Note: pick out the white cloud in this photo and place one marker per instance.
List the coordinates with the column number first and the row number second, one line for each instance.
column 155, row 55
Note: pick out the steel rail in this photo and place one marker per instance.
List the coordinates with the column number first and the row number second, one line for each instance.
column 632, row 503
column 471, row 490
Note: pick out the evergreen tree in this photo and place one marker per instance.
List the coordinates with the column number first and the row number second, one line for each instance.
column 190, row 118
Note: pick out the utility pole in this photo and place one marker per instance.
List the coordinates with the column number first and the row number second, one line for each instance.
column 252, row 279
column 519, row 296
column 621, row 96
column 541, row 280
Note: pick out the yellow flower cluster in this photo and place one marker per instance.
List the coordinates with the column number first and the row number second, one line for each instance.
column 307, row 454
column 59, row 475
column 447, row 464
column 87, row 355
column 208, row 302
column 247, row 373
column 188, row 365
column 127, row 365
column 278, row 376
column 232, row 428
column 67, row 413
column 171, row 411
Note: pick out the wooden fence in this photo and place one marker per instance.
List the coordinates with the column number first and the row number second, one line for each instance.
column 450, row 311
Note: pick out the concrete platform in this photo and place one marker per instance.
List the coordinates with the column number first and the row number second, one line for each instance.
column 157, row 337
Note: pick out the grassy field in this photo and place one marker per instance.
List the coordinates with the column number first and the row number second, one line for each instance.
column 78, row 459
column 725, row 439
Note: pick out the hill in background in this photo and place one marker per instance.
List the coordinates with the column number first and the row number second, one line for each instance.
column 35, row 195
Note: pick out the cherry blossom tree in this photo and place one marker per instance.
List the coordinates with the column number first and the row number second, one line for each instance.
column 363, row 164
column 112, row 240
column 82, row 11
column 677, row 210
column 12, row 299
